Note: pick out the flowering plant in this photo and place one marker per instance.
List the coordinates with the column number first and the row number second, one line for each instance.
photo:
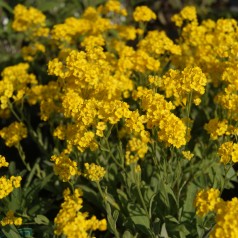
column 111, row 129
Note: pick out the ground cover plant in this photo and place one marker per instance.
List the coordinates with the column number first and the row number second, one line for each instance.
column 111, row 128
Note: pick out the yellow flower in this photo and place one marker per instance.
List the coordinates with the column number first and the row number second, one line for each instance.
column 187, row 155
column 157, row 43
column 94, row 172
column 225, row 151
column 172, row 131
column 136, row 149
column 179, row 84
column 187, row 14
column 112, row 6
column 7, row 185
column 13, row 134
column 216, row 128
column 226, row 219
column 70, row 216
column 101, row 126
column 15, row 83
column 10, row 219
column 29, row 52
column 3, row 162
column 206, row 201
column 29, row 19
column 64, row 167
column 144, row 14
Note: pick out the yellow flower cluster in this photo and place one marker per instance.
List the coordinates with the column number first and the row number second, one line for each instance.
column 157, row 43
column 186, row 14
column 228, row 97
column 228, row 151
column 136, row 148
column 179, row 84
column 15, row 83
column 112, row 6
column 127, row 32
column 64, row 167
column 187, row 155
column 29, row 20
column 172, row 129
column 13, row 134
column 207, row 45
column 143, row 14
column 226, row 219
column 101, row 127
column 10, row 219
column 7, row 185
column 94, row 172
column 71, row 222
column 206, row 200
column 216, row 128
column 3, row 162
column 136, row 60
column 96, row 68
column 30, row 51
column 91, row 23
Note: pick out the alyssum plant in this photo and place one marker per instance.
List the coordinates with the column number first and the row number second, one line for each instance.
column 135, row 134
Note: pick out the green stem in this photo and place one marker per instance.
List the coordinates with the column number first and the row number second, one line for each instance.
column 112, row 156
column 188, row 109
column 23, row 156
column 32, row 173
column 105, row 202
column 224, row 180
column 13, row 112
column 142, row 200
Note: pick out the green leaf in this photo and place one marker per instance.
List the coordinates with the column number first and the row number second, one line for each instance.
column 15, row 199
column 110, row 219
column 127, row 234
column 10, row 231
column 231, row 175
column 139, row 218
column 188, row 205
column 91, row 195
column 115, row 215
column 3, row 4
column 112, row 201
column 34, row 209
column 41, row 219
column 156, row 226
column 151, row 203
column 44, row 5
column 164, row 232
column 12, row 168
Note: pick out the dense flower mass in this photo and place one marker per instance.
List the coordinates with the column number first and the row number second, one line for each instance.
column 228, row 151
column 15, row 84
column 29, row 19
column 69, row 217
column 13, row 134
column 124, row 126
column 143, row 14
column 64, row 167
column 206, row 201
column 180, row 84
column 226, row 222
column 7, row 185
